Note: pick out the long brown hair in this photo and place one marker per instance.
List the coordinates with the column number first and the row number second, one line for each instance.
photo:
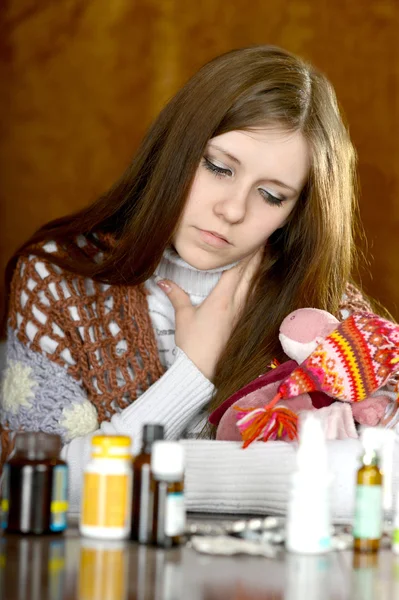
column 308, row 261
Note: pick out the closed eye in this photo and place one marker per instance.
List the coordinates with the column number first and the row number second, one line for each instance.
column 224, row 172
column 218, row 171
column 270, row 199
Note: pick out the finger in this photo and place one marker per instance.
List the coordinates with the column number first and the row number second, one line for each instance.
column 176, row 295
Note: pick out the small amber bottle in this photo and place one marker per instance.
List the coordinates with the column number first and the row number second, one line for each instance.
column 367, row 529
column 35, row 485
column 169, row 514
column 142, row 498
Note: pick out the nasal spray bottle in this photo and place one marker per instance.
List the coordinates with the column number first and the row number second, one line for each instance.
column 374, row 489
column 368, row 522
column 309, row 518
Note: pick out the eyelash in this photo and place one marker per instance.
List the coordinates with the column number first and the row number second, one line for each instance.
column 220, row 172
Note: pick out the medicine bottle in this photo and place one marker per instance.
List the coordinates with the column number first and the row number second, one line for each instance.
column 308, row 528
column 367, row 528
column 169, row 514
column 35, row 485
column 142, row 505
column 107, row 489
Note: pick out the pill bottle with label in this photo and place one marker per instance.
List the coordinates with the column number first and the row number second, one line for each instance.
column 107, row 489
column 367, row 528
column 35, row 485
column 142, row 497
column 169, row 513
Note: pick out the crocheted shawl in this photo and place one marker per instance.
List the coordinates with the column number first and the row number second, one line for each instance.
column 102, row 334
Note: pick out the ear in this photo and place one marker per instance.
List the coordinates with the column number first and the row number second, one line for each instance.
column 306, row 324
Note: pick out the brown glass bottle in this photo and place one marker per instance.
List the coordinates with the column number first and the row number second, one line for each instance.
column 169, row 516
column 35, row 486
column 142, row 497
column 368, row 509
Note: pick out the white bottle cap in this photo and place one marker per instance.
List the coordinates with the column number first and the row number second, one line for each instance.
column 372, row 438
column 167, row 460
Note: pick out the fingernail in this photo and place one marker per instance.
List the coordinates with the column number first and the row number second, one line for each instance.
column 164, row 286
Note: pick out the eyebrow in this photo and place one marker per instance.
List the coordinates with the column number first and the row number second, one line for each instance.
column 235, row 160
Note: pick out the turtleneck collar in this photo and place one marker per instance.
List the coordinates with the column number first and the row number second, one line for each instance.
column 191, row 280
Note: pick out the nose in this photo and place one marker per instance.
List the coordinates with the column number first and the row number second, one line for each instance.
column 232, row 206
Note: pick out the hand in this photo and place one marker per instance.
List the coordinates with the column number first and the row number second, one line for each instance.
column 202, row 332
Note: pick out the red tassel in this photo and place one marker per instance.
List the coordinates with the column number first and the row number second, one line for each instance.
column 269, row 422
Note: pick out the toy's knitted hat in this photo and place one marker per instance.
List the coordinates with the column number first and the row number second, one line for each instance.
column 351, row 363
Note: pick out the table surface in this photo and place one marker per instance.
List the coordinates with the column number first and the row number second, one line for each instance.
column 71, row 567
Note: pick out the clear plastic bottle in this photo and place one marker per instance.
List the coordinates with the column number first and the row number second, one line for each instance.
column 107, row 489
column 169, row 514
column 309, row 519
column 35, row 485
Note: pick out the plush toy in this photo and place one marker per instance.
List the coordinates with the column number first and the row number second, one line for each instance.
column 289, row 389
column 300, row 334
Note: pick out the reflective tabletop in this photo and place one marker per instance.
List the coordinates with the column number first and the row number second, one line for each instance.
column 71, row 567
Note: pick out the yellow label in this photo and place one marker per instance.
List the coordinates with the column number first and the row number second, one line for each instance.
column 4, row 505
column 105, row 500
column 59, row 506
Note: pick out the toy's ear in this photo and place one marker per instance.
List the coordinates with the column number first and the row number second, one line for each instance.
column 303, row 329
column 305, row 324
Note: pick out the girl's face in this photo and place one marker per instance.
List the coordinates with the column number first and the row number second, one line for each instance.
column 244, row 189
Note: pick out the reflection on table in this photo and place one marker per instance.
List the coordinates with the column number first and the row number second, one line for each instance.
column 70, row 567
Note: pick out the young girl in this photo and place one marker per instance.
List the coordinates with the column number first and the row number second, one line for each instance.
column 164, row 297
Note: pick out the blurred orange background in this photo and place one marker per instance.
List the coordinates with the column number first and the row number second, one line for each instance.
column 82, row 80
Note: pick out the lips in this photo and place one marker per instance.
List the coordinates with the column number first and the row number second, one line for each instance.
column 217, row 235
column 213, row 238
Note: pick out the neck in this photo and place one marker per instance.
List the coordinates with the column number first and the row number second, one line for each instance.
column 193, row 281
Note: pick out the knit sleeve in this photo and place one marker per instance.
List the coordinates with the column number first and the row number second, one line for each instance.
column 39, row 395
column 172, row 401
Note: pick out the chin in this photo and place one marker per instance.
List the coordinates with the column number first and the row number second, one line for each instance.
column 201, row 260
